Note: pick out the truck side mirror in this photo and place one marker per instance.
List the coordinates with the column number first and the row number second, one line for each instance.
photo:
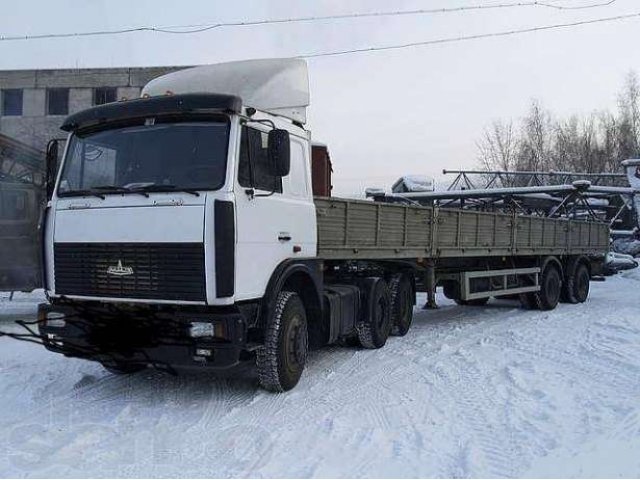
column 51, row 167
column 279, row 152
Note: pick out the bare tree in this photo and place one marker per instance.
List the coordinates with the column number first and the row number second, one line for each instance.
column 498, row 149
column 597, row 142
column 629, row 114
column 534, row 145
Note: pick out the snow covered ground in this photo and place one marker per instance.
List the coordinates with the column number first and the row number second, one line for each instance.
column 494, row 391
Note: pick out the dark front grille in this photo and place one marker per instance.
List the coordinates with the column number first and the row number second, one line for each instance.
column 159, row 271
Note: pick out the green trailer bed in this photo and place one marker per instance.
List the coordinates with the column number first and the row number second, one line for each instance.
column 357, row 229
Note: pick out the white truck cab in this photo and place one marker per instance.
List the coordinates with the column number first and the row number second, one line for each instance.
column 192, row 195
column 169, row 170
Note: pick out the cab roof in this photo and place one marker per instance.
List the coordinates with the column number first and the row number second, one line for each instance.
column 151, row 107
column 279, row 86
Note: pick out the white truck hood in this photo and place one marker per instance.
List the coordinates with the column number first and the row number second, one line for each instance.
column 87, row 222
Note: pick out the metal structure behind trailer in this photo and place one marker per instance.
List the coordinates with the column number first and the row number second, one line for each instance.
column 475, row 179
column 608, row 196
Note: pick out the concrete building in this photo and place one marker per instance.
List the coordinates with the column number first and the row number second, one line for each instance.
column 33, row 103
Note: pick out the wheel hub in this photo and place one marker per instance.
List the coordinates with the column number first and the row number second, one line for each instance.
column 296, row 344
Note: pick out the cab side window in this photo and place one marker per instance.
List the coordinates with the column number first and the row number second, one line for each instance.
column 253, row 145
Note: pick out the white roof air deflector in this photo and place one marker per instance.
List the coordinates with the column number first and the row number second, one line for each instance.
column 279, row 86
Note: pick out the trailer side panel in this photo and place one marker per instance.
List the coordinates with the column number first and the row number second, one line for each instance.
column 368, row 230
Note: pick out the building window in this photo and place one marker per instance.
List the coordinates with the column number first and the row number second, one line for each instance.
column 12, row 102
column 104, row 95
column 57, row 101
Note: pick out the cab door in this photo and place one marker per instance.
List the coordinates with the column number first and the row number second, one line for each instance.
column 275, row 216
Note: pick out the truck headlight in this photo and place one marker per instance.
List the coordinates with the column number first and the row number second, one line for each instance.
column 55, row 320
column 201, row 329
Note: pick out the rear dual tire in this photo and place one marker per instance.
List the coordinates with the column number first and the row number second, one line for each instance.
column 375, row 322
column 550, row 289
column 576, row 286
column 402, row 301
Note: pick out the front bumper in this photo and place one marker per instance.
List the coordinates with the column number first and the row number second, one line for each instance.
column 143, row 337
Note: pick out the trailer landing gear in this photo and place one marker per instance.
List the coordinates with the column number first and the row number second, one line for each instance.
column 430, row 283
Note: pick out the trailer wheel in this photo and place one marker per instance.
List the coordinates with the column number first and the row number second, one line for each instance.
column 576, row 287
column 281, row 359
column 550, row 287
column 374, row 325
column 118, row 368
column 401, row 304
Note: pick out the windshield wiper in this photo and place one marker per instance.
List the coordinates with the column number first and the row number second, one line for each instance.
column 165, row 188
column 81, row 193
column 116, row 189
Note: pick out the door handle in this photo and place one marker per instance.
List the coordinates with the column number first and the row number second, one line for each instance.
column 284, row 237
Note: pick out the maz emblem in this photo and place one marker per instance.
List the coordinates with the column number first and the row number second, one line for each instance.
column 119, row 270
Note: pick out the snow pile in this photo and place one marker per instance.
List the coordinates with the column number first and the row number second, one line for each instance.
column 493, row 391
column 22, row 304
column 615, row 262
column 628, row 246
column 414, row 183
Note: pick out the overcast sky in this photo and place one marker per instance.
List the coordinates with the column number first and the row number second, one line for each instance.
column 383, row 114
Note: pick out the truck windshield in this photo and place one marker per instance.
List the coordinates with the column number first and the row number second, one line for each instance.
column 171, row 156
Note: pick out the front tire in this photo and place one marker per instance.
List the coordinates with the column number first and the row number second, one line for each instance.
column 280, row 361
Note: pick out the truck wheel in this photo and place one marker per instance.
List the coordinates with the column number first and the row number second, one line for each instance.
column 478, row 302
column 118, row 368
column 374, row 326
column 401, row 304
column 550, row 287
column 281, row 360
column 576, row 288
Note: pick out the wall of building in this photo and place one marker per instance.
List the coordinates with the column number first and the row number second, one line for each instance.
column 34, row 127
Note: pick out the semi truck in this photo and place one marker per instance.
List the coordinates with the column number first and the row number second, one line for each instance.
column 186, row 230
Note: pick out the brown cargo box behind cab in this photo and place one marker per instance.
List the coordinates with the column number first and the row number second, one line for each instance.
column 321, row 171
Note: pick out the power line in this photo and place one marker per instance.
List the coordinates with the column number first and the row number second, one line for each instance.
column 448, row 39
column 191, row 29
column 472, row 37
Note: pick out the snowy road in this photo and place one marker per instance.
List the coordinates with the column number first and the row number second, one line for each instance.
column 494, row 391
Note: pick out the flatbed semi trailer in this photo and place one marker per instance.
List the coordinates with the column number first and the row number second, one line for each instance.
column 355, row 229
column 182, row 232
